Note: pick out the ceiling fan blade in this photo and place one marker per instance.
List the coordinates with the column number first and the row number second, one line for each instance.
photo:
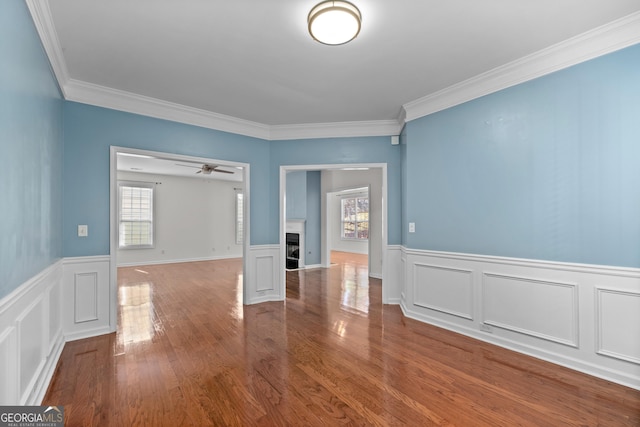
column 200, row 171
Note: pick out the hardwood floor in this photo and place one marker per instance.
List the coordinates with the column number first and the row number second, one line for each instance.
column 188, row 353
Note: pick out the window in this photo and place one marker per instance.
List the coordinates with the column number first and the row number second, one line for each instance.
column 355, row 218
column 135, row 221
column 239, row 216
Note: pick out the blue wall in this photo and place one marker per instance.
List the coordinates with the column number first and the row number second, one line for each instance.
column 303, row 201
column 296, row 202
column 549, row 169
column 89, row 133
column 31, row 152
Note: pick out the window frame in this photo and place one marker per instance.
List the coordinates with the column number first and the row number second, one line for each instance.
column 137, row 184
column 239, row 218
column 354, row 197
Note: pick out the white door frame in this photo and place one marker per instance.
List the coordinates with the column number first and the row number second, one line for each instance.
column 113, row 217
column 324, row 261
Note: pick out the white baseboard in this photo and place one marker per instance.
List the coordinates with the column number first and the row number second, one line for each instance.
column 176, row 261
column 592, row 326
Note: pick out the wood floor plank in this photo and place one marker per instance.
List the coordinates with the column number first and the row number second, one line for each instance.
column 188, row 353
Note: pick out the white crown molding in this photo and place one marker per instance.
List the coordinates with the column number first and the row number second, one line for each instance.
column 43, row 21
column 605, row 39
column 336, row 130
column 88, row 93
column 602, row 40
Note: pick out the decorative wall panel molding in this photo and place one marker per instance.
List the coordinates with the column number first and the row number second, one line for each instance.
column 31, row 337
column 262, row 278
column 86, row 297
column 559, row 312
column 444, row 289
column 543, row 309
column 392, row 279
column 618, row 324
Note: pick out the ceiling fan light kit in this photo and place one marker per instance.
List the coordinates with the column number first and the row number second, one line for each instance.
column 334, row 22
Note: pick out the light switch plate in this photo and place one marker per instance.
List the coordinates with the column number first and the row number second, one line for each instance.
column 83, row 230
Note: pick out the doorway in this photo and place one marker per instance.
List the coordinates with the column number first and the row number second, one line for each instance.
column 377, row 230
column 198, row 165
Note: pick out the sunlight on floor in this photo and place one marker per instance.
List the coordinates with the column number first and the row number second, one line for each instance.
column 136, row 313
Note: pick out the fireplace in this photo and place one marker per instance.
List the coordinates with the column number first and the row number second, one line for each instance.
column 293, row 250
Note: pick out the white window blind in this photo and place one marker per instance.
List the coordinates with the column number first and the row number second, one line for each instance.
column 135, row 221
column 355, row 218
column 239, row 217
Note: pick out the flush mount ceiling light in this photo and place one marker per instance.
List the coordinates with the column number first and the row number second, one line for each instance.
column 334, row 22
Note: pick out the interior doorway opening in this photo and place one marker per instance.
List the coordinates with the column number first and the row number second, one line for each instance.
column 177, row 169
column 369, row 178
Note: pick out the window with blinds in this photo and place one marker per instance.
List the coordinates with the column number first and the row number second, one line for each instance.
column 135, row 221
column 355, row 218
column 239, row 217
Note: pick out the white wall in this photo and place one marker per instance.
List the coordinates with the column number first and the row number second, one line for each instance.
column 334, row 225
column 194, row 220
column 337, row 180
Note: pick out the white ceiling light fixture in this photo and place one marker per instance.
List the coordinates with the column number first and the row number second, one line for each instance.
column 334, row 22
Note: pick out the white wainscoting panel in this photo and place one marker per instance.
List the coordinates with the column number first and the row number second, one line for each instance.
column 262, row 281
column 547, row 310
column 618, row 323
column 32, row 343
column 265, row 273
column 449, row 290
column 392, row 279
column 31, row 337
column 86, row 297
column 585, row 317
column 8, row 367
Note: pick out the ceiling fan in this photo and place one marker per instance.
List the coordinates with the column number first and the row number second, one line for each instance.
column 206, row 168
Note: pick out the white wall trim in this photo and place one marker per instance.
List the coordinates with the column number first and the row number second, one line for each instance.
column 605, row 39
column 631, row 314
column 177, row 261
column 608, row 38
column 43, row 21
column 335, row 130
column 101, row 96
column 31, row 338
column 584, row 317
column 392, row 274
column 262, row 281
column 95, row 294
column 524, row 262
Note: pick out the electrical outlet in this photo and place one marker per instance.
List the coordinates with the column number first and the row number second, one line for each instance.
column 412, row 227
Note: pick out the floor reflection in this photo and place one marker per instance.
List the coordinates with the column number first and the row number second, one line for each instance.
column 136, row 313
column 238, row 310
column 355, row 286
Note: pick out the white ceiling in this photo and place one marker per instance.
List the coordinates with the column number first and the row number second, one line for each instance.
column 254, row 63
